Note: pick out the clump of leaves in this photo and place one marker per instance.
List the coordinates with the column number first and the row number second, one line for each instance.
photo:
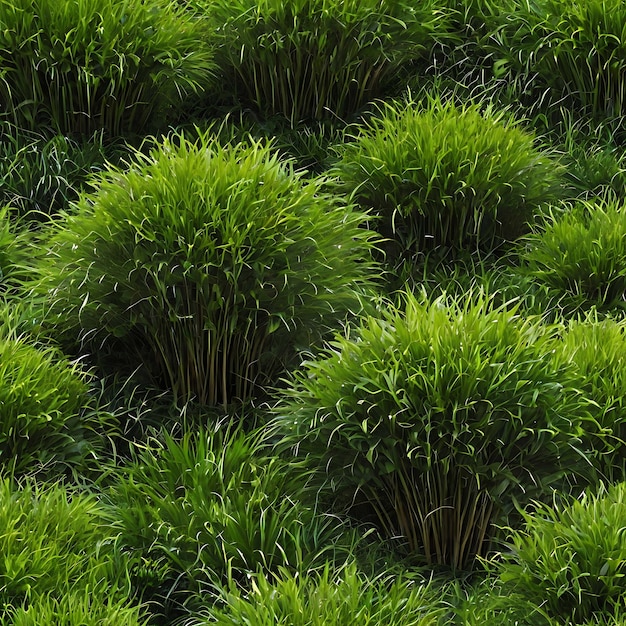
column 571, row 559
column 56, row 543
column 43, row 398
column 80, row 66
column 435, row 420
column 213, row 264
column 318, row 59
column 331, row 598
column 210, row 510
column 447, row 175
column 579, row 255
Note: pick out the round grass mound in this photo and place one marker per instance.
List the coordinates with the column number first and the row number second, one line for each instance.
column 211, row 264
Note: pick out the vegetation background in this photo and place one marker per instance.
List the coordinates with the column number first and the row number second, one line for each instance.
column 312, row 312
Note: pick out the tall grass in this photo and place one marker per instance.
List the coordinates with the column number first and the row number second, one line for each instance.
column 436, row 420
column 212, row 264
column 79, row 66
column 212, row 509
column 580, row 256
column 318, row 59
column 447, row 175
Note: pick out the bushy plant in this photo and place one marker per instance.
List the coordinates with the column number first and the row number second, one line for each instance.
column 78, row 66
column 579, row 51
column 210, row 263
column 435, row 420
column 597, row 349
column 318, row 59
column 331, row 598
column 580, row 256
column 12, row 253
column 55, row 542
column 443, row 175
column 42, row 399
column 572, row 559
column 212, row 509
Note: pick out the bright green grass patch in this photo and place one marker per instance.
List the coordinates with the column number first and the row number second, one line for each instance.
column 55, row 543
column 435, row 420
column 442, row 175
column 212, row 509
column 572, row 559
column 42, row 401
column 330, row 598
column 211, row 264
column 580, row 256
column 79, row 66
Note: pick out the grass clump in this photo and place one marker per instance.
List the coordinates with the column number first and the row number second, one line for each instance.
column 578, row 49
column 571, row 559
column 580, row 257
column 434, row 420
column 80, row 66
column 443, row 175
column 56, row 544
column 597, row 349
column 211, row 510
column 42, row 402
column 330, row 598
column 310, row 60
column 210, row 263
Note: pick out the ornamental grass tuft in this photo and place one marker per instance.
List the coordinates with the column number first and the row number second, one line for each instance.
column 211, row 264
column 435, row 420
column 309, row 60
column 443, row 175
column 80, row 66
column 571, row 559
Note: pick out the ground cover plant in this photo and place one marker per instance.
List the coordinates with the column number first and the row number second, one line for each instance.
column 81, row 66
column 212, row 263
column 440, row 461
column 213, row 509
column 436, row 419
column 579, row 255
column 446, row 175
column 312, row 60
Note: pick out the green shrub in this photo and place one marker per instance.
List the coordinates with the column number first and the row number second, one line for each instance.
column 318, row 59
column 212, row 509
column 580, row 256
column 12, row 252
column 42, row 402
column 572, row 559
column 597, row 349
column 447, row 176
column 211, row 264
column 435, row 420
column 54, row 542
column 79, row 66
column 578, row 49
column 331, row 599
